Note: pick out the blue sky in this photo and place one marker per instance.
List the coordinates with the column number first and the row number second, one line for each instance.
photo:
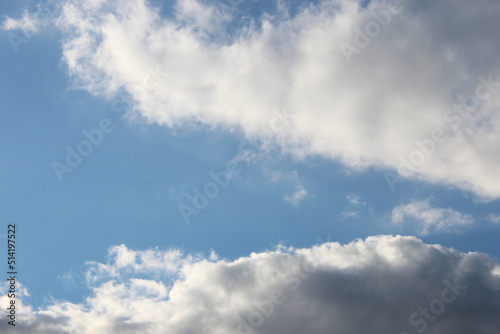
column 129, row 188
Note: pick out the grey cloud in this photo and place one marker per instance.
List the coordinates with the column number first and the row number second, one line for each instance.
column 383, row 284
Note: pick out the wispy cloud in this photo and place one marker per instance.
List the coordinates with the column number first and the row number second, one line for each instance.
column 425, row 218
column 494, row 218
column 349, row 214
column 355, row 200
column 356, row 207
column 299, row 194
column 28, row 23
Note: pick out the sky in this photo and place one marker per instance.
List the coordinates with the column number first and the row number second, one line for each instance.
column 251, row 166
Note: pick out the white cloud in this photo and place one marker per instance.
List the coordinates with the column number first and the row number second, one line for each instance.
column 299, row 194
column 495, row 219
column 357, row 206
column 386, row 107
column 354, row 199
column 27, row 23
column 349, row 214
column 425, row 217
column 126, row 261
column 374, row 286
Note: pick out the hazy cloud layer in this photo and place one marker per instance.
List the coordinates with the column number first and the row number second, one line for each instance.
column 406, row 85
column 381, row 285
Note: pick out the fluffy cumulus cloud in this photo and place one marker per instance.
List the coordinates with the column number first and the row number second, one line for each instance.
column 380, row 285
column 425, row 218
column 406, row 86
